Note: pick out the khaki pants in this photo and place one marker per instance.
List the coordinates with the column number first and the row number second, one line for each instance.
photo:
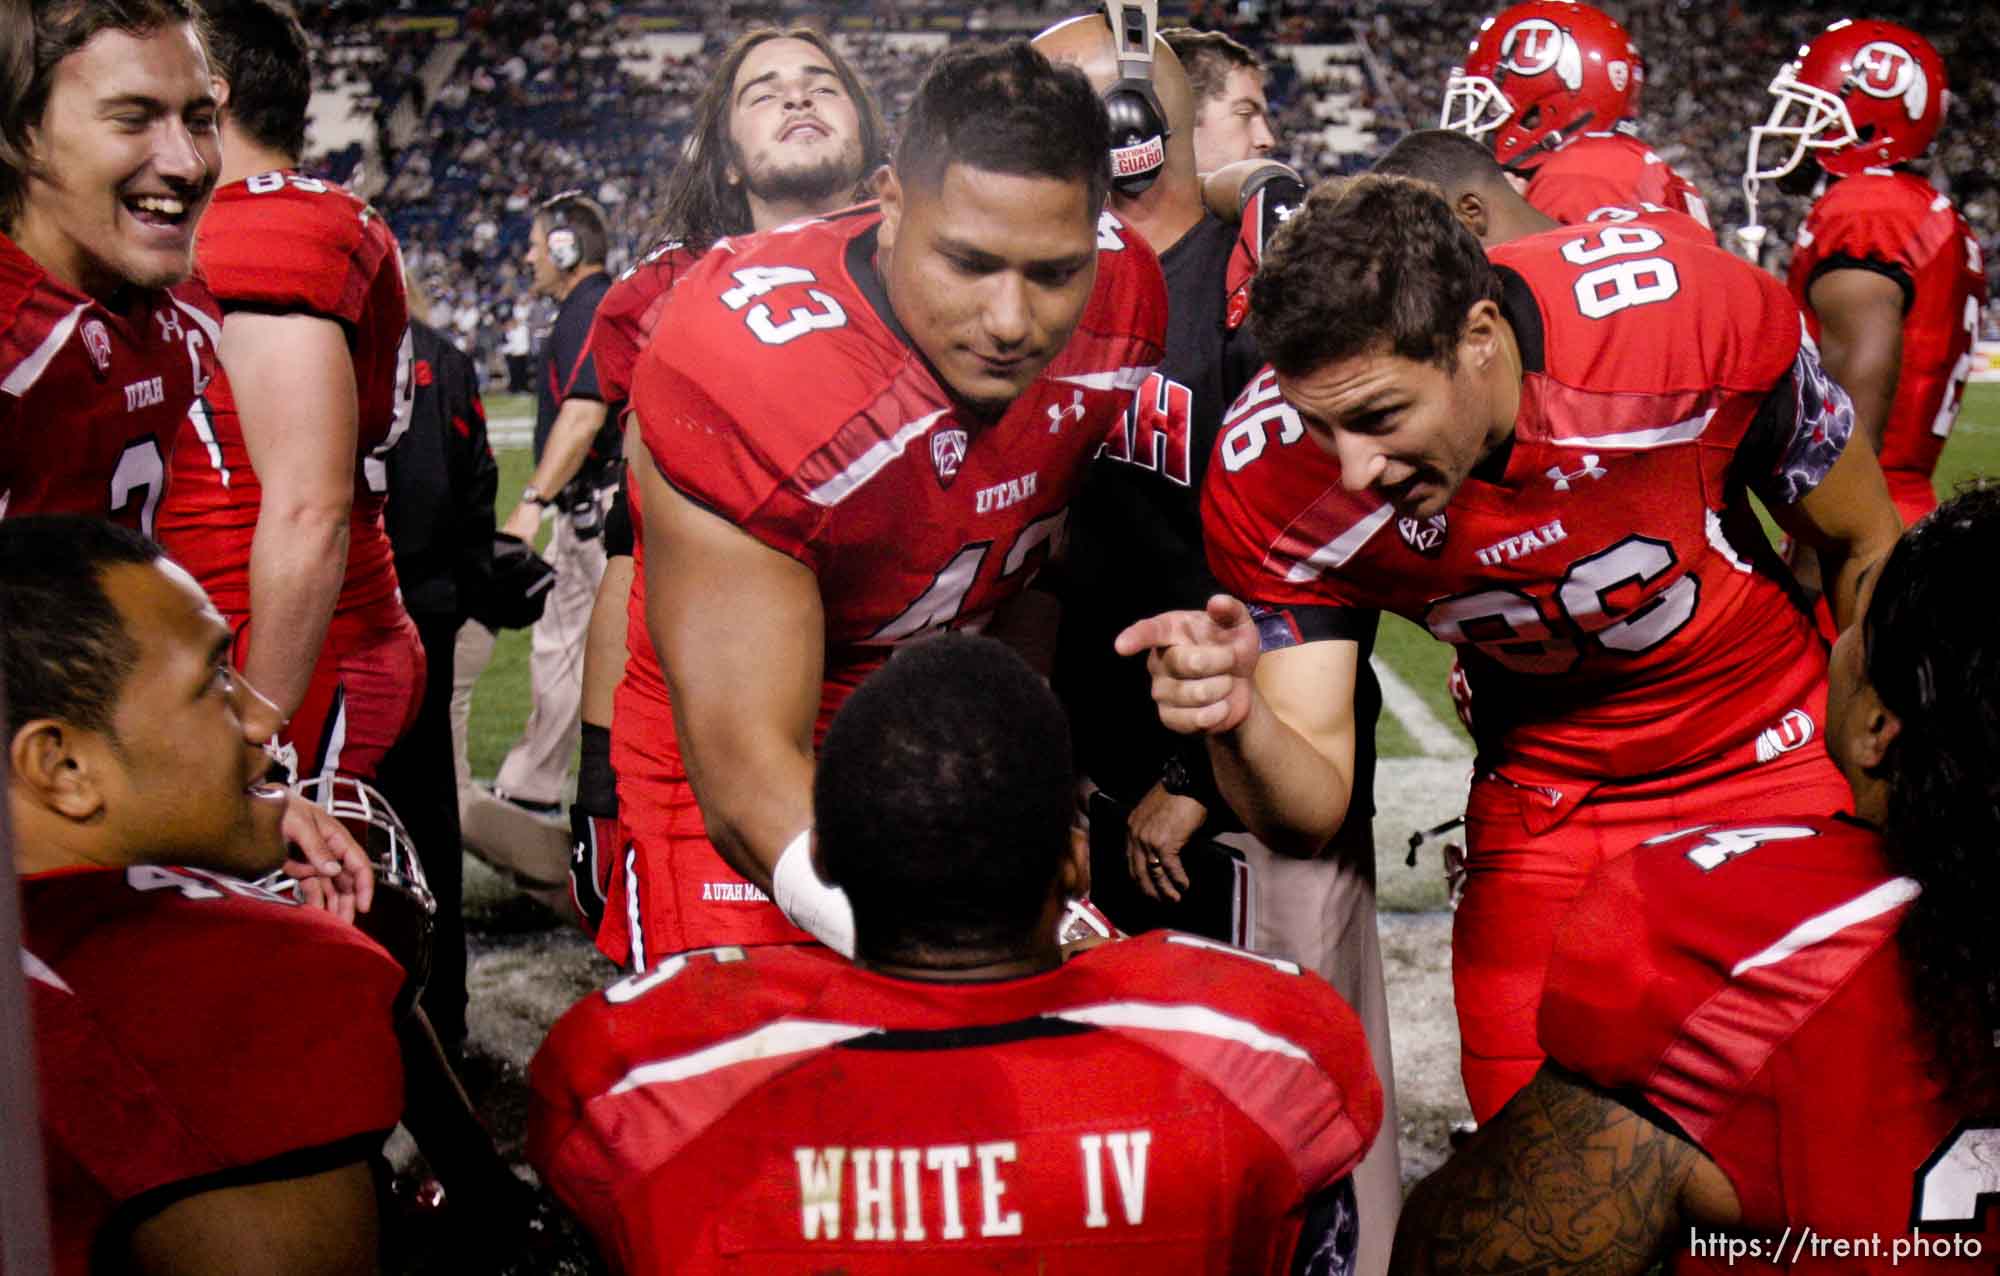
column 1321, row 914
column 538, row 764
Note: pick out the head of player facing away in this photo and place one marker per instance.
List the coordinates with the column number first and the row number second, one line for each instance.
column 784, row 128
column 1381, row 315
column 131, row 740
column 1472, row 182
column 108, row 143
column 942, row 807
column 1862, row 95
column 259, row 52
column 1913, row 722
column 988, row 243
column 1540, row 74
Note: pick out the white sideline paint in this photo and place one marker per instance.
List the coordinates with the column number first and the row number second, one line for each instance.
column 1435, row 738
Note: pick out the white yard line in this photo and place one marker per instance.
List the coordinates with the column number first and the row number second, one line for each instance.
column 1435, row 738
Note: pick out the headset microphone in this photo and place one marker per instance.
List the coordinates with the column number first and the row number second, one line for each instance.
column 1138, row 126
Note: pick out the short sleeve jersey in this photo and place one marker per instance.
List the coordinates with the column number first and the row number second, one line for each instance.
column 1600, row 170
column 790, row 402
column 137, row 977
column 1163, row 1103
column 625, row 321
column 92, row 398
column 1897, row 224
column 286, row 244
column 1744, row 985
column 1609, row 592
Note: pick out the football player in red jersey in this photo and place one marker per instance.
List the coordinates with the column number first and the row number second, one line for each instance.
column 958, row 1097
column 108, row 156
column 138, row 802
column 1554, row 85
column 279, row 481
column 1889, row 274
column 865, row 429
column 784, row 130
column 1543, row 459
column 1783, row 1024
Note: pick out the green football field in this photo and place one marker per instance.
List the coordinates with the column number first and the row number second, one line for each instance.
column 500, row 703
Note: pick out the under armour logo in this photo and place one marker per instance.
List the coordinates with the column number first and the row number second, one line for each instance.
column 1591, row 469
column 1058, row 415
column 170, row 325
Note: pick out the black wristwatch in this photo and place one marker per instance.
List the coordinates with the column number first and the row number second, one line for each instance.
column 1176, row 779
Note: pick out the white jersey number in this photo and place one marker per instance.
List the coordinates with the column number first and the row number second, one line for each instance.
column 138, row 480
column 938, row 607
column 1245, row 440
column 375, row 466
column 1510, row 627
column 754, row 281
column 1960, row 1181
column 1961, row 372
column 1619, row 284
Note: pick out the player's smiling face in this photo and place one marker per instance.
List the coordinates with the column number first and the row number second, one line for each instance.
column 188, row 784
column 1406, row 430
column 989, row 274
column 794, row 133
column 123, row 162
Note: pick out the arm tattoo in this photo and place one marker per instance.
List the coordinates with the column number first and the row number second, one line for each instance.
column 1564, row 1179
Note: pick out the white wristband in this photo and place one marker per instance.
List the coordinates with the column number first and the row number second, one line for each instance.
column 810, row 904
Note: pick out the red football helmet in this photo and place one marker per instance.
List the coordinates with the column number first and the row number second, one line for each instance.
column 1863, row 94
column 1866, row 93
column 1541, row 73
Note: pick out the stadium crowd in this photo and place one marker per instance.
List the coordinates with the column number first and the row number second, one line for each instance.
column 977, row 468
column 541, row 101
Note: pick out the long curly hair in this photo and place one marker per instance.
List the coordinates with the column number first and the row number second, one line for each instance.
column 1931, row 654
column 701, row 206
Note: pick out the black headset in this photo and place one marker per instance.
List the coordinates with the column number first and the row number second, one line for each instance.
column 566, row 215
column 1139, row 129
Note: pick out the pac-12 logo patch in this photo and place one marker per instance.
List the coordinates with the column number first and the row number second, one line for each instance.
column 1425, row 535
column 947, row 454
column 97, row 340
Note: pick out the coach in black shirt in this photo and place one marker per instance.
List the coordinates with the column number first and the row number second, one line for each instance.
column 576, row 470
column 1165, row 849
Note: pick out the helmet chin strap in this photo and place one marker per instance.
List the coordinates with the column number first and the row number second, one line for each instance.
column 1549, row 142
